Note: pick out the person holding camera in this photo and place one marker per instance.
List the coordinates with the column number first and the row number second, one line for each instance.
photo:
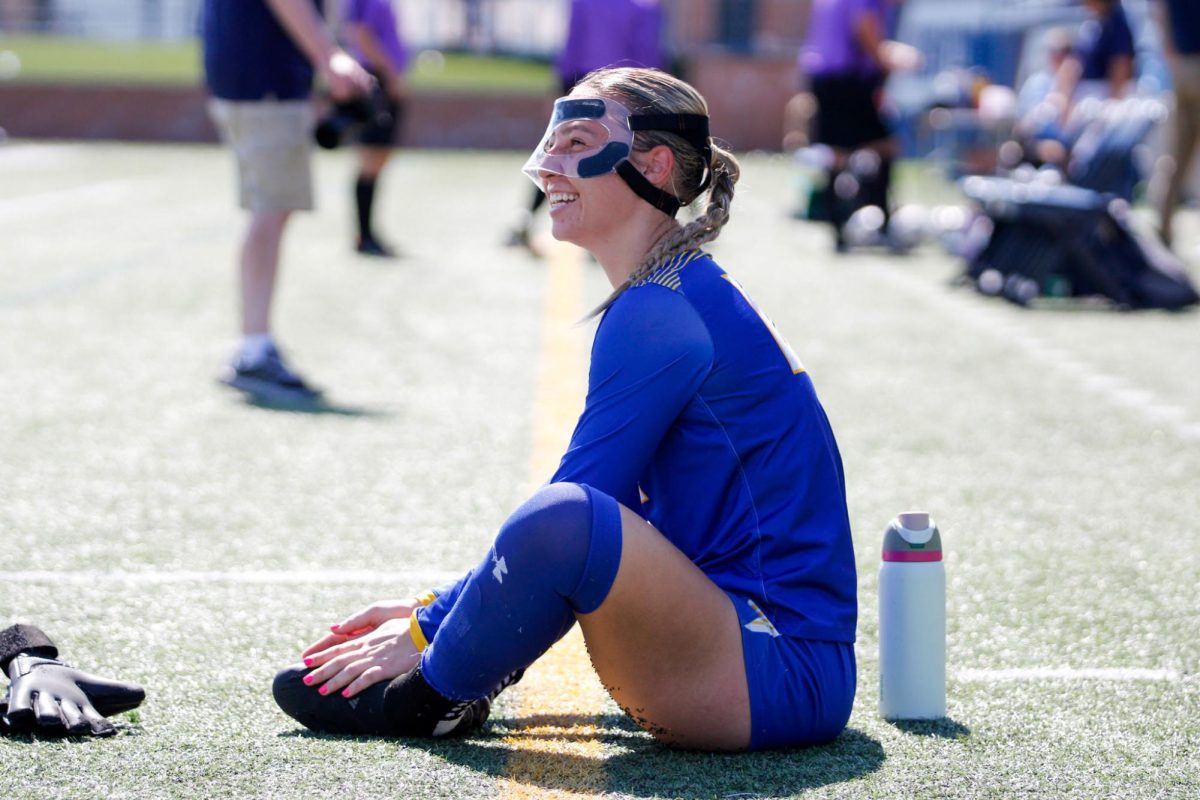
column 259, row 61
column 373, row 36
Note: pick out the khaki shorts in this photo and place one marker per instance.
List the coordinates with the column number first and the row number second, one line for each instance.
column 272, row 141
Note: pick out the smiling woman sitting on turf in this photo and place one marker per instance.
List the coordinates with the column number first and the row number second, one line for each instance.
column 696, row 527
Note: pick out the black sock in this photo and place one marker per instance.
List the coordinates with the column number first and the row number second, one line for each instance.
column 364, row 196
column 883, row 190
column 837, row 208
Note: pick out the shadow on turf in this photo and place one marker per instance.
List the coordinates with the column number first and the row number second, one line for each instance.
column 641, row 767
column 636, row 765
column 944, row 728
column 315, row 407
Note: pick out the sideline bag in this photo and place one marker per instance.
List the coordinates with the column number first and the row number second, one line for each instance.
column 1049, row 240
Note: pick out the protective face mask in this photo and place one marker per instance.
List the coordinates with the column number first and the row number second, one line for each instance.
column 592, row 136
column 587, row 137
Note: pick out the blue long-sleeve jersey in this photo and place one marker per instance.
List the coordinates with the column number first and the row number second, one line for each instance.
column 700, row 417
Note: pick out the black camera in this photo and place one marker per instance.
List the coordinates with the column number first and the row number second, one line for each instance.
column 348, row 118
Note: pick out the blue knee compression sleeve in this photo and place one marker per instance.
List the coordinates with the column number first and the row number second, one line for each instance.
column 556, row 555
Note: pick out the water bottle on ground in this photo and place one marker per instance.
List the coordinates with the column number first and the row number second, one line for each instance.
column 912, row 620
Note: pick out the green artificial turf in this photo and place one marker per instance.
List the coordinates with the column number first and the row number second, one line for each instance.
column 166, row 532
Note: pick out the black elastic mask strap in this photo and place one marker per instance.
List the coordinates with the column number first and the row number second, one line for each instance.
column 663, row 201
column 692, row 127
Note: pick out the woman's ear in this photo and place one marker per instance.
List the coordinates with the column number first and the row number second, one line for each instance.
column 656, row 164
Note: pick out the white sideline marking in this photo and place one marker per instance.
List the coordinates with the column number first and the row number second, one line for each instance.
column 1067, row 674
column 55, row 201
column 1111, row 388
column 29, row 156
column 323, row 577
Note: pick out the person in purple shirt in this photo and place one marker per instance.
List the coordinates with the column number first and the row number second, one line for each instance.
column 606, row 33
column 846, row 58
column 841, row 39
column 602, row 33
column 373, row 38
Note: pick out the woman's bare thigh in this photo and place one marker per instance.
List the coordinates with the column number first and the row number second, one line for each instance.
column 667, row 645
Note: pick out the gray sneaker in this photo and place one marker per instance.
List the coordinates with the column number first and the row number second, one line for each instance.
column 268, row 380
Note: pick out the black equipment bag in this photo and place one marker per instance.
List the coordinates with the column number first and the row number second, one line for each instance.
column 1069, row 241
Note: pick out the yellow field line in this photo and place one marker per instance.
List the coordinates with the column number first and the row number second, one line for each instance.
column 562, row 362
column 554, row 750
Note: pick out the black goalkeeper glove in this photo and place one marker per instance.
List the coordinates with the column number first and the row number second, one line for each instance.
column 49, row 697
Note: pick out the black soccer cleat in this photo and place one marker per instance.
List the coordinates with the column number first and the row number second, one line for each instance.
column 417, row 709
column 361, row 715
column 407, row 706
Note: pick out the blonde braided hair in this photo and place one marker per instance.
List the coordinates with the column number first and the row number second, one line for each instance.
column 649, row 91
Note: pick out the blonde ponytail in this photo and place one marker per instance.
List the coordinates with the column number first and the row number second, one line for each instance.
column 724, row 171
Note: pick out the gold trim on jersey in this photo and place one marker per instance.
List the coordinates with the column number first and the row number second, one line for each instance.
column 667, row 273
column 793, row 360
column 760, row 624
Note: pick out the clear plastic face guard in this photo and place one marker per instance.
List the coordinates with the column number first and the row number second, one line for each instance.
column 587, row 137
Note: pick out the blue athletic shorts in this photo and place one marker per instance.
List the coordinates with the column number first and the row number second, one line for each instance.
column 801, row 690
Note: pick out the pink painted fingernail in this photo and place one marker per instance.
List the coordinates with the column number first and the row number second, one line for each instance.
column 323, row 690
column 346, row 692
column 333, row 628
column 308, row 679
column 308, row 662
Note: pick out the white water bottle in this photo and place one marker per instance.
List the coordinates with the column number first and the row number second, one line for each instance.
column 912, row 620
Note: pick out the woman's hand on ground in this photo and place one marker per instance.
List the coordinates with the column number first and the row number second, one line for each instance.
column 385, row 652
column 362, row 622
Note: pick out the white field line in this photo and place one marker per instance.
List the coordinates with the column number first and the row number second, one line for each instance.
column 426, row 577
column 1110, row 388
column 423, row 577
column 1066, row 674
column 34, row 156
column 64, row 202
column 57, row 202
